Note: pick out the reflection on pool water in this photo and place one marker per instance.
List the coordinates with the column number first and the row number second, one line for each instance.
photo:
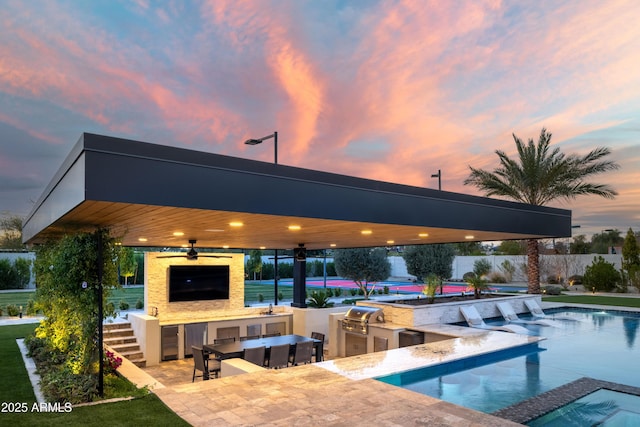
column 600, row 345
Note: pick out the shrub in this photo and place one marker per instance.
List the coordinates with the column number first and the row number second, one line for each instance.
column 32, row 308
column 260, row 298
column 319, row 299
column 576, row 279
column 13, row 310
column 552, row 290
column 482, row 267
column 111, row 363
column 124, row 305
column 353, row 292
column 280, row 296
column 0, row 311
column 497, row 278
column 601, row 276
column 468, row 275
column 385, row 290
column 337, row 292
column 139, row 304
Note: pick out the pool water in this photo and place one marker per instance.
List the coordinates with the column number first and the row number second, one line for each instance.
column 600, row 408
column 600, row 345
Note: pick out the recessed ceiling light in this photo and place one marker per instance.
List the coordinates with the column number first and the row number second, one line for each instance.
column 263, row 247
column 390, row 242
column 366, row 232
column 214, row 230
column 118, row 243
column 236, row 224
column 294, row 227
column 184, row 246
column 225, row 246
column 178, row 233
column 423, row 235
column 469, row 236
column 142, row 239
column 333, row 245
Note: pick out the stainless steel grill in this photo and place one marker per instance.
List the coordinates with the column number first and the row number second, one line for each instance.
column 358, row 318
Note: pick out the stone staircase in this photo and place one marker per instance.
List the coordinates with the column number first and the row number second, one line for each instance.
column 120, row 337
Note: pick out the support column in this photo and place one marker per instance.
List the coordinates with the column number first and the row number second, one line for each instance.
column 299, row 277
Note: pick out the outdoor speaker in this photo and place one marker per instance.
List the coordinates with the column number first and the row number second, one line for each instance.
column 300, row 254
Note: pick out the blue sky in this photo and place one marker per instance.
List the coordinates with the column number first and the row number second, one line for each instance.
column 388, row 90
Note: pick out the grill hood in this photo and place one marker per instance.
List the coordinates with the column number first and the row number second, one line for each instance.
column 357, row 319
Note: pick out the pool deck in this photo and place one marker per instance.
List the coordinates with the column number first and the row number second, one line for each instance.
column 339, row 392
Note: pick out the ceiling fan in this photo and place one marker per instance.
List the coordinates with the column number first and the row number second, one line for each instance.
column 192, row 254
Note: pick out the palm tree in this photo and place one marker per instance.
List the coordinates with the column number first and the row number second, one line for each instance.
column 540, row 175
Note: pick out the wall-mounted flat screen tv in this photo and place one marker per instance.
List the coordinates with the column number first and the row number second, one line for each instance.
column 198, row 282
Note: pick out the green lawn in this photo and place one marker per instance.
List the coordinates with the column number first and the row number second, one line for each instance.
column 596, row 299
column 15, row 387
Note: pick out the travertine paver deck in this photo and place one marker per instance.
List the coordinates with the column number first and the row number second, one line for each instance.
column 310, row 395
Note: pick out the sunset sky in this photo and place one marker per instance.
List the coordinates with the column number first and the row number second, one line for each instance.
column 388, row 90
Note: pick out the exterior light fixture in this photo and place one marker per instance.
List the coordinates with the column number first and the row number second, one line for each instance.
column 366, row 232
column 142, row 239
column 274, row 135
column 294, row 227
column 178, row 233
column 423, row 235
column 236, row 224
column 439, row 176
column 469, row 237
column 390, row 242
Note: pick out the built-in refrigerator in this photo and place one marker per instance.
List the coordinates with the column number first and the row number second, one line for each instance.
column 169, row 342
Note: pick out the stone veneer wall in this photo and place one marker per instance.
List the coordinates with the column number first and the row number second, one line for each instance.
column 415, row 315
column 156, row 289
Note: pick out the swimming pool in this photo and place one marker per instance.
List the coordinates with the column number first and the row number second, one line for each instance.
column 600, row 345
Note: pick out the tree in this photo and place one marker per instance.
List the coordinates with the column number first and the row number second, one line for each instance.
column 580, row 245
column 127, row 263
column 512, row 247
column 254, row 264
column 11, row 232
column 68, row 273
column 468, row 248
column 541, row 175
column 602, row 242
column 363, row 266
column 423, row 260
column 631, row 259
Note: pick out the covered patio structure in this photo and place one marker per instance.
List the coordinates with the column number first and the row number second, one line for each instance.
column 159, row 196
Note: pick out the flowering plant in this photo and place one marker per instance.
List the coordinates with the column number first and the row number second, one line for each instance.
column 111, row 362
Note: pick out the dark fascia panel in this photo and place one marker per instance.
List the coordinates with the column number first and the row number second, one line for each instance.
column 121, row 170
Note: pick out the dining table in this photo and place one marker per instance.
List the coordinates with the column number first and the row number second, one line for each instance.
column 236, row 348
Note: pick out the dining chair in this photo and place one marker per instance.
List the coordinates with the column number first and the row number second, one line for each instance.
column 320, row 337
column 302, row 354
column 272, row 334
column 224, row 340
column 249, row 337
column 255, row 355
column 203, row 364
column 279, row 356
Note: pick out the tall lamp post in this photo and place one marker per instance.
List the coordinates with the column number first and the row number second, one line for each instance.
column 439, row 176
column 257, row 141
column 274, row 135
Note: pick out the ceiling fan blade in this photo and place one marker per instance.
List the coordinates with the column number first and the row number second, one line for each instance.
column 201, row 255
column 171, row 256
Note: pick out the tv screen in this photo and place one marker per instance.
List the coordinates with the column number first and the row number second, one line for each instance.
column 198, row 282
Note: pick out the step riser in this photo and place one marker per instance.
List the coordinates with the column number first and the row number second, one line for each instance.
column 120, row 338
column 111, row 326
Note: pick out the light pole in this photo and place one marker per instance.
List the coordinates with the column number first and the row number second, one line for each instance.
column 274, row 135
column 439, row 176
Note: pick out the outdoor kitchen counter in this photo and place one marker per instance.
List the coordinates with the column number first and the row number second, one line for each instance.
column 221, row 318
